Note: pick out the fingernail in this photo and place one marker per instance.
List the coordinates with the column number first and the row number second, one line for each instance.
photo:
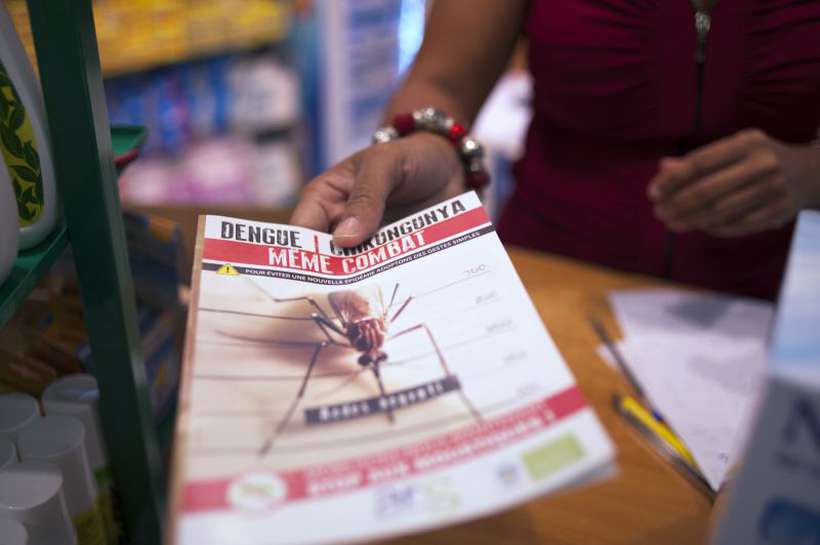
column 348, row 228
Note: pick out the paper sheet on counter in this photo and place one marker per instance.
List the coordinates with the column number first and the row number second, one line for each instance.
column 700, row 358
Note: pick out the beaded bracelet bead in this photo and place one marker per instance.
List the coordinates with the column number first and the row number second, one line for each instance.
column 430, row 119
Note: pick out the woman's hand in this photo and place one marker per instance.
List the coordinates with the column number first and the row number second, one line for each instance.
column 736, row 186
column 381, row 182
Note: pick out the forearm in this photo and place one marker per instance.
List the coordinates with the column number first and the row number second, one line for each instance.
column 424, row 91
column 467, row 45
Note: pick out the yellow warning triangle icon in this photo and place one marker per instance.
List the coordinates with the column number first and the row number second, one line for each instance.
column 228, row 270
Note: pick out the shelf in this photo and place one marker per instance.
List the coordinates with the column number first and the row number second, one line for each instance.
column 137, row 37
column 125, row 65
column 29, row 268
column 126, row 139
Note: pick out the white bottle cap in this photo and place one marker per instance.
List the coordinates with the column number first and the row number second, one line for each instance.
column 12, row 533
column 17, row 411
column 60, row 440
column 78, row 396
column 8, row 455
column 32, row 493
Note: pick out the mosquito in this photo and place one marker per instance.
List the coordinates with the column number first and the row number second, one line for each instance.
column 361, row 322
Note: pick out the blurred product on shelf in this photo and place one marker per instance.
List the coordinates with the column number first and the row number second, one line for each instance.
column 139, row 35
column 265, row 94
column 230, row 171
column 60, row 440
column 47, row 338
column 159, row 331
column 31, row 493
column 78, row 396
column 251, row 94
column 208, row 81
column 155, row 258
column 25, row 145
column 8, row 453
column 9, row 224
column 17, row 412
column 220, row 131
column 277, row 174
column 59, row 346
column 36, row 344
column 29, row 374
column 13, row 532
column 45, row 352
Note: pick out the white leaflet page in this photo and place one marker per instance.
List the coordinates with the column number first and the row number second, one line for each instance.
column 405, row 385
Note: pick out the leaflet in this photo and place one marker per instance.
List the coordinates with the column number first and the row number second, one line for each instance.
column 343, row 395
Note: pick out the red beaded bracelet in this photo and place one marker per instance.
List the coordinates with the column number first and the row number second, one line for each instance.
column 432, row 120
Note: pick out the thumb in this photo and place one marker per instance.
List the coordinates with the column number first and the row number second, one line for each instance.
column 377, row 172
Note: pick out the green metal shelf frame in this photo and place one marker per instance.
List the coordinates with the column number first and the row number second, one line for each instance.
column 68, row 59
column 29, row 268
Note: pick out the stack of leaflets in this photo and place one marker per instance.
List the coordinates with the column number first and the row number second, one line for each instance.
column 343, row 395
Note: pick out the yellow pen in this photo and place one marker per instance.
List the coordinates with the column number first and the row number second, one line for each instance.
column 630, row 405
column 646, row 426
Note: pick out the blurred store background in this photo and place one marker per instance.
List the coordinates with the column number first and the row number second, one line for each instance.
column 246, row 100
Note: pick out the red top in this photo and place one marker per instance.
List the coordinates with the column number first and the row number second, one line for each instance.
column 615, row 90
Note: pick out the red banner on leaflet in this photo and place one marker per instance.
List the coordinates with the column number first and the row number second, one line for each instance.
column 357, row 473
column 297, row 259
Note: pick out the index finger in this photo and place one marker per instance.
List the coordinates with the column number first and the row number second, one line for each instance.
column 311, row 213
column 678, row 173
column 323, row 199
column 376, row 175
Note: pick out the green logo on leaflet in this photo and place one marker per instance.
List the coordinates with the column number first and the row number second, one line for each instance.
column 257, row 491
column 19, row 149
column 549, row 458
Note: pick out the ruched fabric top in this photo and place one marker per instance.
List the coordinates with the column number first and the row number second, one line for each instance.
column 616, row 89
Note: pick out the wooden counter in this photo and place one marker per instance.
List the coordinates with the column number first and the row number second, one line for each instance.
column 647, row 503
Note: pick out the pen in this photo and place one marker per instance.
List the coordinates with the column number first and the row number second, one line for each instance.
column 601, row 331
column 625, row 369
column 644, row 411
column 643, row 424
column 630, row 406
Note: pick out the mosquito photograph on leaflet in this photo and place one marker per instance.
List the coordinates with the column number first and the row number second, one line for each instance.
column 346, row 333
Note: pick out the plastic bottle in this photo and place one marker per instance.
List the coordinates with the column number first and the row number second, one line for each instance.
column 25, row 142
